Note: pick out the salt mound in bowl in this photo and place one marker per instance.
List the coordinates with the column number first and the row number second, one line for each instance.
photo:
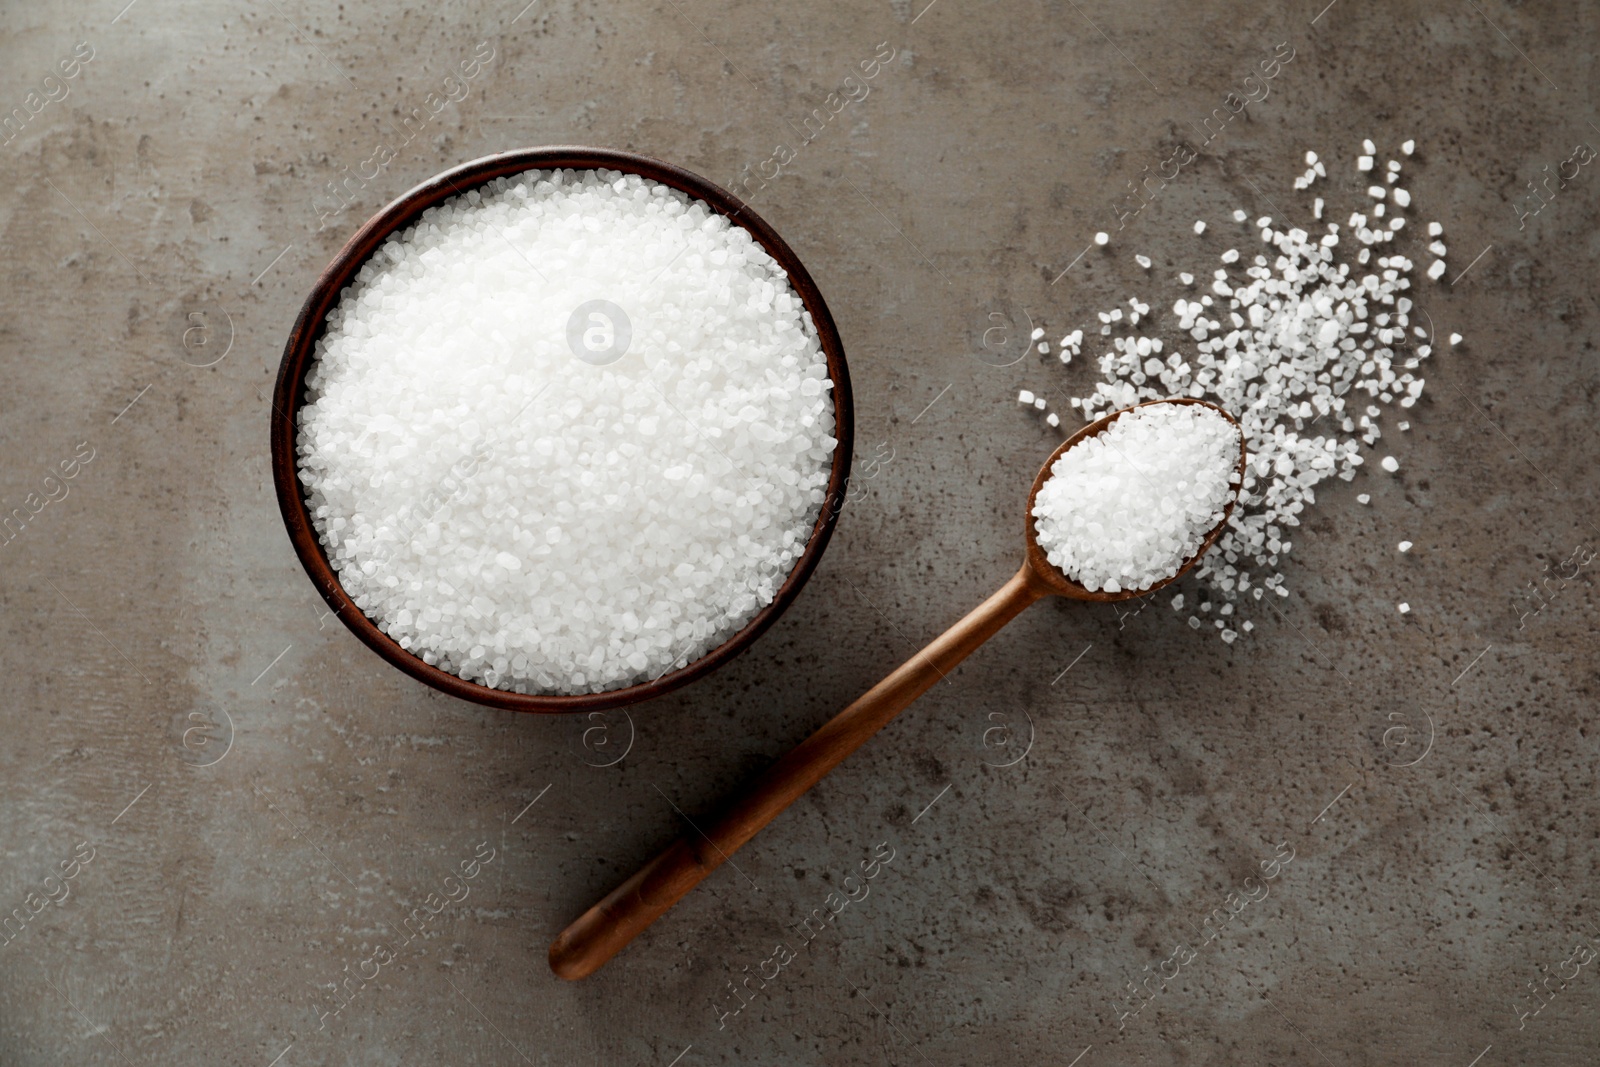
column 568, row 432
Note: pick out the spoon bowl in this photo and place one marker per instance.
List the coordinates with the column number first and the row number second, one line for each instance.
column 602, row 931
column 1061, row 585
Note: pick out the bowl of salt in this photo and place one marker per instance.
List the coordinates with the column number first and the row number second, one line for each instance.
column 562, row 429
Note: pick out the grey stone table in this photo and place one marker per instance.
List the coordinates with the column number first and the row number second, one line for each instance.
column 249, row 802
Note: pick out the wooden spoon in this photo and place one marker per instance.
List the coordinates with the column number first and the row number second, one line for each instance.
column 603, row 930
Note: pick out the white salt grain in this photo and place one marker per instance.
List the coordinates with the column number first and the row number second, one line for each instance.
column 1102, row 238
column 1298, row 342
column 1199, row 226
column 1405, row 609
column 1390, row 464
column 525, row 516
column 1405, row 546
column 1124, row 509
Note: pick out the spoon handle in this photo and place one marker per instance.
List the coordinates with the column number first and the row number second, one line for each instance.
column 603, row 930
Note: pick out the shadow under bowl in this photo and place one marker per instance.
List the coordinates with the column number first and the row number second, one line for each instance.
column 299, row 356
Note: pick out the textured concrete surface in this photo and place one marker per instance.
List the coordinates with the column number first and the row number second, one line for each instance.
column 250, row 803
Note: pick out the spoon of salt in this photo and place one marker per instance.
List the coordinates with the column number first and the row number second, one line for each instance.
column 1067, row 527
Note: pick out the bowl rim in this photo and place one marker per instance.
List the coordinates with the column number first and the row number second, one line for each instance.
column 405, row 209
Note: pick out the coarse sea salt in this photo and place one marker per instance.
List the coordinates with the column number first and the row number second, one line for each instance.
column 1299, row 343
column 547, row 498
column 1123, row 510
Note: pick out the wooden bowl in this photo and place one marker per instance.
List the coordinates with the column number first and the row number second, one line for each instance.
column 298, row 358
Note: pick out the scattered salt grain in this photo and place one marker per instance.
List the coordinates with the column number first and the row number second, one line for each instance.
column 1455, row 339
column 1300, row 342
column 1436, row 269
column 1405, row 609
column 1025, row 397
column 1102, row 238
column 1124, row 509
column 1143, row 261
column 1405, row 546
column 1408, row 147
column 1390, row 464
column 1199, row 226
